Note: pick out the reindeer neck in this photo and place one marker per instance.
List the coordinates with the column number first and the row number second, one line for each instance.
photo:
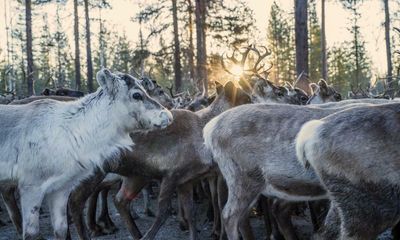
column 94, row 123
column 219, row 105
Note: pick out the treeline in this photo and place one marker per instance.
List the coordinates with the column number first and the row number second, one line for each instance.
column 180, row 42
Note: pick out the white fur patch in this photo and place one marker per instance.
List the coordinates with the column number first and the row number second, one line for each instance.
column 306, row 134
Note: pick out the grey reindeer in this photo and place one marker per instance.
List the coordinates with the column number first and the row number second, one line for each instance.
column 281, row 209
column 76, row 126
column 253, row 146
column 355, row 154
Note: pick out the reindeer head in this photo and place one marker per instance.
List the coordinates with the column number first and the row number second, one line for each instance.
column 322, row 93
column 152, row 88
column 298, row 96
column 128, row 98
column 157, row 92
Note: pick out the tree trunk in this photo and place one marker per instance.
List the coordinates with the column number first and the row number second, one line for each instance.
column 89, row 62
column 201, row 44
column 191, row 46
column 103, row 62
column 29, row 53
column 323, row 43
column 177, row 51
column 388, row 48
column 77, row 52
column 301, row 35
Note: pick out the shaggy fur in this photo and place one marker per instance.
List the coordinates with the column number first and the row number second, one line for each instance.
column 81, row 134
column 362, row 178
column 254, row 147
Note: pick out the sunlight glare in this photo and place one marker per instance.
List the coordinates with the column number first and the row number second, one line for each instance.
column 237, row 70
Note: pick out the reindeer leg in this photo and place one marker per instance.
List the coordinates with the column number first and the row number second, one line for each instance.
column 282, row 212
column 94, row 229
column 31, row 200
column 167, row 187
column 222, row 191
column 58, row 202
column 213, row 183
column 242, row 192
column 12, row 207
column 331, row 227
column 146, row 200
column 183, row 223
column 186, row 195
column 104, row 220
column 78, row 199
column 245, row 229
column 263, row 201
column 205, row 186
column 276, row 234
column 129, row 189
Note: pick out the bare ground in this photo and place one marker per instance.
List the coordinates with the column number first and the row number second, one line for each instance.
column 170, row 230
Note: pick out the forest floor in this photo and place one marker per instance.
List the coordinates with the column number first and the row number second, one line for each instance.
column 170, row 230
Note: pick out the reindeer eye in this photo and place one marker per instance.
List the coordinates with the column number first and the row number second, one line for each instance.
column 137, row 96
column 303, row 98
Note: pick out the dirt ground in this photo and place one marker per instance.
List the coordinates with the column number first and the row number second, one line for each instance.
column 170, row 230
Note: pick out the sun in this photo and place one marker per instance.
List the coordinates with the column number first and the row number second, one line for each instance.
column 237, row 70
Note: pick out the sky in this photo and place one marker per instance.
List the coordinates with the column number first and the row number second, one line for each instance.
column 337, row 19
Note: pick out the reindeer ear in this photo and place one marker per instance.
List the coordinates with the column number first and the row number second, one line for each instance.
column 148, row 84
column 322, row 84
column 245, row 85
column 218, row 87
column 107, row 81
column 314, row 88
column 229, row 89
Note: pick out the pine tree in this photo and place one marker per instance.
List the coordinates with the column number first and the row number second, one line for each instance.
column 231, row 24
column 361, row 74
column 280, row 40
column 122, row 54
column 314, row 51
column 340, row 68
column 63, row 70
column 45, row 70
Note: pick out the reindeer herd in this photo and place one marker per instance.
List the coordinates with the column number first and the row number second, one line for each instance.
column 251, row 143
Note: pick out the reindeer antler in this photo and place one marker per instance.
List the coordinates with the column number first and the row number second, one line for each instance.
column 235, row 61
column 255, row 70
column 172, row 93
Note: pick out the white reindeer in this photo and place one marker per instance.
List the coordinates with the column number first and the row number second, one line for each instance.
column 49, row 146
